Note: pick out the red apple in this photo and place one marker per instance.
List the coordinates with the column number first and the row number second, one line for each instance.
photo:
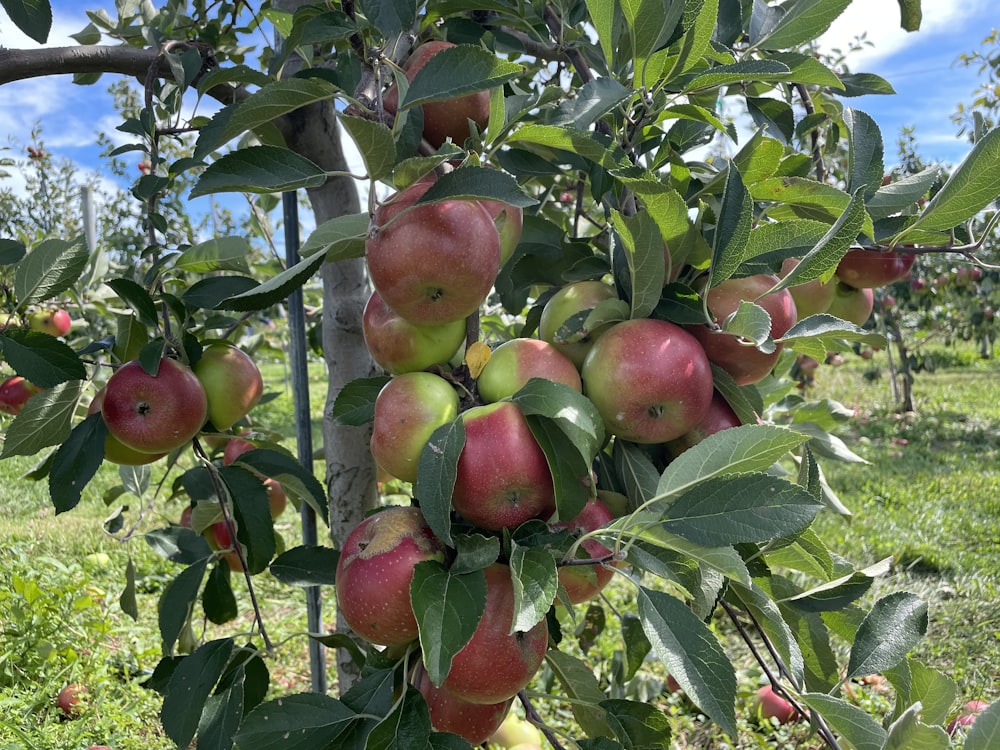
column 649, row 379
column 154, row 413
column 220, row 539
column 14, row 394
column 53, row 321
column 720, row 416
column 772, row 705
column 509, row 221
column 583, row 582
column 375, row 570
column 70, row 698
column 475, row 722
column 186, row 516
column 235, row 448
column 852, row 304
column 503, row 478
column 435, row 263
column 448, row 118
column 515, row 362
column 98, row 747
column 495, row 664
column 114, row 450
column 232, row 383
column 399, row 346
column 571, row 300
column 869, row 268
column 276, row 497
column 745, row 362
column 970, row 711
column 407, row 411
column 812, row 297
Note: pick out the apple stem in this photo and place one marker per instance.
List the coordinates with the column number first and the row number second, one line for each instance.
column 532, row 715
column 602, row 560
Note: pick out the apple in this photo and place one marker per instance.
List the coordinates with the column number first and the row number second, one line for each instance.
column 407, row 411
column 234, row 448
column 852, row 304
column 870, row 268
column 495, row 664
column 583, row 582
column 515, row 362
column 509, row 221
column 475, row 722
column 515, row 731
column 649, row 379
column 745, row 362
column 115, row 450
column 70, row 699
column 812, row 297
column 771, row 705
column 14, row 394
column 276, row 497
column 399, row 346
column 154, row 413
column 720, row 416
column 186, row 517
column 967, row 717
column 53, row 321
column 232, row 382
column 448, row 118
column 571, row 300
column 375, row 570
column 502, row 478
column 435, row 263
column 98, row 747
column 220, row 539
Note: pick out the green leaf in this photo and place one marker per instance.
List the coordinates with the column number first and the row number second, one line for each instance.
column 575, row 414
column 407, row 727
column 297, row 480
column 127, row 600
column 643, row 246
column 747, row 70
column 258, row 169
column 636, row 470
column 355, row 404
column 456, row 71
column 33, row 17
column 49, row 269
column 222, row 714
column 935, row 690
column 190, row 685
column 217, row 598
column 637, row 645
column 638, row 725
column 174, row 607
column 770, row 621
column 216, row 254
column 477, row 183
column 807, row 69
column 390, row 17
column 733, row 230
column 865, row 84
column 692, row 654
column 208, row 294
column 76, row 462
column 725, row 560
column 46, row 419
column 474, row 552
column 910, row 15
column 340, row 238
column 578, row 683
column 833, row 595
column 747, row 448
column 306, row 565
column 969, row 189
column 583, row 143
column 533, row 573
column 650, row 23
column 11, row 252
column 591, row 102
column 306, row 721
column 448, row 608
column 375, row 144
column 819, row 334
column 801, row 22
column 252, row 513
column 849, row 722
column 135, row 296
column 437, row 469
column 902, row 194
column 571, row 472
column 274, row 290
column 752, row 322
column 602, row 15
column 275, row 99
column 909, row 733
column 758, row 159
column 889, row 632
column 985, row 732
column 40, row 358
column 865, row 153
column 179, row 544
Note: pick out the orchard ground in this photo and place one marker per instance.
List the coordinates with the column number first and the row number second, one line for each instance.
column 931, row 498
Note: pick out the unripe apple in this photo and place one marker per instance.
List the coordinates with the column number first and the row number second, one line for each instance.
column 435, row 263
column 407, row 411
column 375, row 570
column 53, row 321
column 495, row 664
column 583, row 582
column 503, row 478
column 515, row 731
column 571, row 300
column 852, row 304
column 114, row 450
column 154, row 413
column 474, row 722
column 232, row 382
column 399, row 346
column 649, row 379
column 14, row 394
column 812, row 297
column 515, row 362
column 868, row 268
column 720, row 416
column 70, row 699
column 968, row 716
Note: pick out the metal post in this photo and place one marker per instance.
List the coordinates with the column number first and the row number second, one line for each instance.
column 89, row 222
column 303, row 428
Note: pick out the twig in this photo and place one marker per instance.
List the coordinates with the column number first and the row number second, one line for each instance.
column 532, row 715
column 817, row 153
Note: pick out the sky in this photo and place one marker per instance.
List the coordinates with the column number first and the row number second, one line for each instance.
column 920, row 66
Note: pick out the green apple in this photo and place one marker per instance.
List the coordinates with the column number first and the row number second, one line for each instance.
column 399, row 346
column 515, row 731
column 573, row 299
column 515, row 362
column 852, row 304
column 811, row 298
column 232, row 382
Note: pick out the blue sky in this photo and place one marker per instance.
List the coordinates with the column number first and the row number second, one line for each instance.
column 920, row 66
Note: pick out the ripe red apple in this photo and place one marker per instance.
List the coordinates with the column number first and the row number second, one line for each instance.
column 720, row 416
column 154, row 413
column 14, row 394
column 53, row 321
column 503, row 478
column 970, row 711
column 811, row 298
column 475, row 722
column 220, row 539
column 375, row 570
column 770, row 704
column 407, row 411
column 509, row 221
column 571, row 300
column 868, row 268
column 234, row 448
column 70, row 698
column 115, row 450
column 515, row 362
column 444, row 119
column 583, row 582
column 232, row 382
column 276, row 497
column 495, row 664
column 399, row 346
column 649, row 379
column 435, row 263
column 852, row 304
column 746, row 363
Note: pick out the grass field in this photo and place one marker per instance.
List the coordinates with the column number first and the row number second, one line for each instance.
column 930, row 500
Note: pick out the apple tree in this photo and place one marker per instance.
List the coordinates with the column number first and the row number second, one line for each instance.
column 573, row 353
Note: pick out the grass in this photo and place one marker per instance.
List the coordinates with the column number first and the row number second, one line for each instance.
column 930, row 500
